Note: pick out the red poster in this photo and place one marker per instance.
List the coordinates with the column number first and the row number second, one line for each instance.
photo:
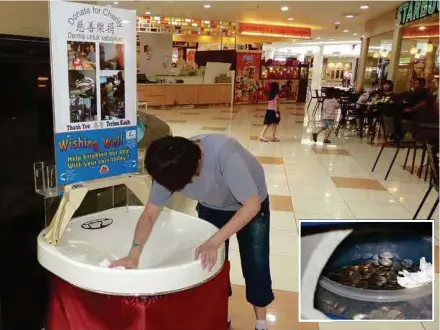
column 247, row 77
column 288, row 90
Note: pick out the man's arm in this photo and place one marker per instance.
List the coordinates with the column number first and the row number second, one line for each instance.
column 242, row 217
column 245, row 191
column 159, row 197
column 143, row 229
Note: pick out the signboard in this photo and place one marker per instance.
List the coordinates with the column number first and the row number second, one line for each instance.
column 93, row 60
column 247, row 77
column 411, row 11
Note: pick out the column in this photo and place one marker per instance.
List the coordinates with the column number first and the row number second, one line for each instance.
column 396, row 46
column 318, row 59
column 362, row 63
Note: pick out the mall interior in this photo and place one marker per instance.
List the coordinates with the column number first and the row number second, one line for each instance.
column 207, row 67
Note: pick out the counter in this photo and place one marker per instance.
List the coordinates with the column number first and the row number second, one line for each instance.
column 184, row 94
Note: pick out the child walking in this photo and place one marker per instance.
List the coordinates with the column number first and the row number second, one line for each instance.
column 331, row 108
column 272, row 117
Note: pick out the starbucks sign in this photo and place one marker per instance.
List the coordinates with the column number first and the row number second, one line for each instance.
column 411, row 11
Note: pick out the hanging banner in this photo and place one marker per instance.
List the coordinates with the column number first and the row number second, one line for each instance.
column 93, row 60
column 247, row 77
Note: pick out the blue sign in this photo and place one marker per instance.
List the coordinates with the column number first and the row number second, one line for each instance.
column 94, row 154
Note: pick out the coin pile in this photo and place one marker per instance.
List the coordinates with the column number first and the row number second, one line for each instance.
column 378, row 273
column 332, row 304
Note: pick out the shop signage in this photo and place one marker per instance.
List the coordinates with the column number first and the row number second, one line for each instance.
column 275, row 31
column 411, row 11
column 93, row 61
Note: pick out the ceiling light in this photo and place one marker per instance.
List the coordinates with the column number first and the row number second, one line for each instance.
column 207, row 6
column 421, row 28
column 337, row 22
column 284, row 8
column 331, row 39
column 362, row 36
column 355, row 34
column 318, row 38
column 345, row 31
column 376, row 55
column 148, row 13
column 116, row 3
column 365, row 6
column 350, row 16
column 290, row 19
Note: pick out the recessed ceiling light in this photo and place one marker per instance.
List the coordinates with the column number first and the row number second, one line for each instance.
column 207, row 6
column 350, row 15
column 331, row 39
column 345, row 31
column 148, row 13
column 284, row 8
column 318, row 38
column 116, row 3
column 355, row 34
column 290, row 19
column 337, row 22
column 365, row 6
column 421, row 28
column 362, row 36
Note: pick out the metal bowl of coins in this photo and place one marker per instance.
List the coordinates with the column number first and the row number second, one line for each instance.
column 360, row 278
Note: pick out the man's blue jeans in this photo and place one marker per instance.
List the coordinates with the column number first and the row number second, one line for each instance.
column 253, row 243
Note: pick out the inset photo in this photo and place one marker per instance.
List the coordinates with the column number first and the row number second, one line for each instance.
column 112, row 84
column 81, row 55
column 82, row 95
column 111, row 56
column 366, row 270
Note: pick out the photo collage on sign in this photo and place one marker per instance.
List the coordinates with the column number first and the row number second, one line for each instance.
column 81, row 57
column 83, row 65
column 112, row 81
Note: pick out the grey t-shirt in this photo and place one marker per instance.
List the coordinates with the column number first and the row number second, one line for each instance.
column 230, row 175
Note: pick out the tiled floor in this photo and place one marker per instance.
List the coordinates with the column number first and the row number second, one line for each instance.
column 307, row 181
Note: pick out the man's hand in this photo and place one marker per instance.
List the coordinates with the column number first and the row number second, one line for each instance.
column 207, row 252
column 127, row 262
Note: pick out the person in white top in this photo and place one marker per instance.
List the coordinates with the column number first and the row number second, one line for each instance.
column 331, row 109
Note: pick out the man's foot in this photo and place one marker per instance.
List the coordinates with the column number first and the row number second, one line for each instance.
column 315, row 137
column 275, row 139
column 261, row 325
column 262, row 139
column 327, row 141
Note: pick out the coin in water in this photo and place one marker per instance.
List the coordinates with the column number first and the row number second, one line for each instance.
column 394, row 314
column 380, row 280
column 377, row 315
column 360, row 317
column 386, row 255
column 386, row 262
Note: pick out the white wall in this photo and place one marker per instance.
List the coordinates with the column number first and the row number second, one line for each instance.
column 161, row 52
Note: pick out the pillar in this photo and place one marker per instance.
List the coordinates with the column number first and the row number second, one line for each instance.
column 318, row 59
column 362, row 64
column 395, row 53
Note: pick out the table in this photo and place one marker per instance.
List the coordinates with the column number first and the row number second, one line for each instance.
column 201, row 308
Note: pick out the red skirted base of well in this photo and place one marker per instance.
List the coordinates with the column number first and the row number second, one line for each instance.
column 202, row 308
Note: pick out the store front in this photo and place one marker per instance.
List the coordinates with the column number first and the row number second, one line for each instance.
column 419, row 46
column 378, row 59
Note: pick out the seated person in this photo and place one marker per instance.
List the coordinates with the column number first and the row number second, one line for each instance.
column 419, row 102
